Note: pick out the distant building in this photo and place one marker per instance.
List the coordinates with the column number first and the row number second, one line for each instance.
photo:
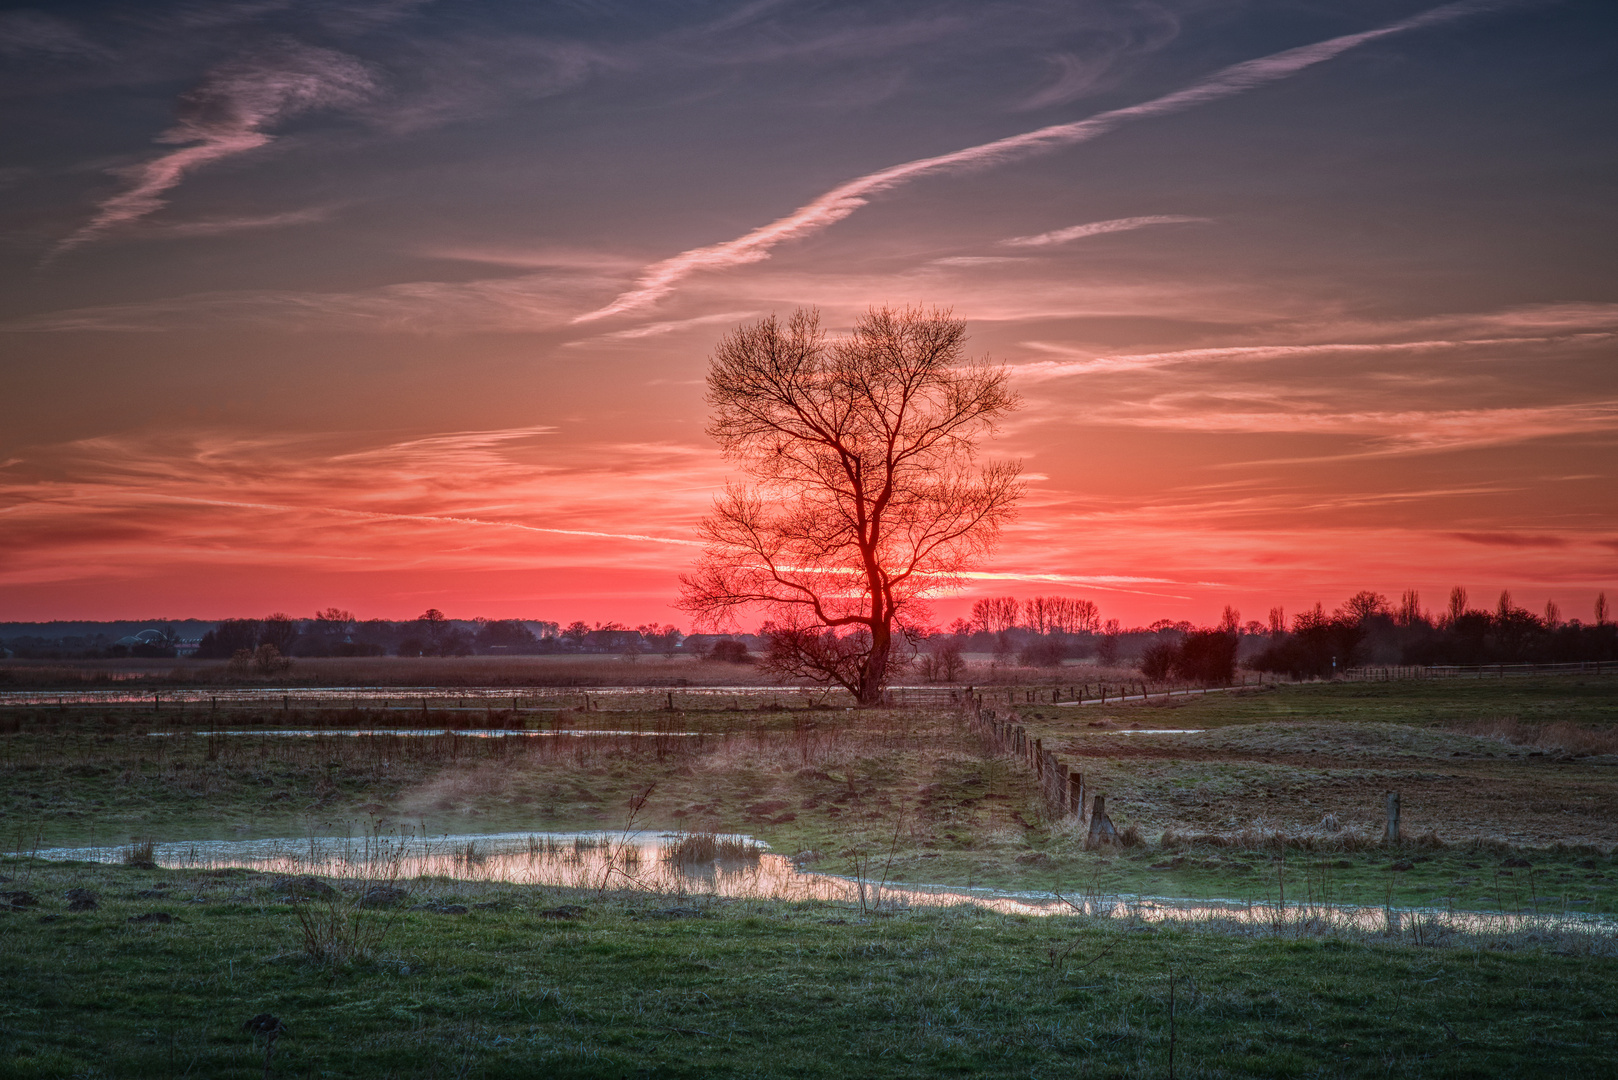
column 612, row 641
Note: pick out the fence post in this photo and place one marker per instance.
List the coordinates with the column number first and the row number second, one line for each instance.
column 1391, row 836
column 1101, row 830
column 1075, row 792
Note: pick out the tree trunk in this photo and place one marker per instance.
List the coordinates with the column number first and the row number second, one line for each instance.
column 875, row 675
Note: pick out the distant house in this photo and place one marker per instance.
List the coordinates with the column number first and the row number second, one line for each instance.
column 702, row 644
column 612, row 641
column 147, row 643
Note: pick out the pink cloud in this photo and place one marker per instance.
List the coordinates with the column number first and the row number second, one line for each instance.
column 226, row 115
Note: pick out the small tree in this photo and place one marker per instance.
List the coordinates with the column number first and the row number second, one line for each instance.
column 865, row 496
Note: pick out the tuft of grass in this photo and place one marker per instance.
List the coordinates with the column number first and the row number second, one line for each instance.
column 141, row 853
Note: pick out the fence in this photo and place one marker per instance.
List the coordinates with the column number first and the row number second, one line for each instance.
column 1061, row 786
column 1396, row 672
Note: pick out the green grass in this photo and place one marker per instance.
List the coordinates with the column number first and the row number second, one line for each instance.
column 630, row 988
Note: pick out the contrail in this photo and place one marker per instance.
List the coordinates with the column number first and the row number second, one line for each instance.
column 1096, row 228
column 659, row 279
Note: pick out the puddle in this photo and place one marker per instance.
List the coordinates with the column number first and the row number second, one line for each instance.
column 474, row 733
column 595, row 860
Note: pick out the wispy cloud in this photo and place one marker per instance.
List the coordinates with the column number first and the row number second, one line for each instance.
column 30, row 32
column 663, row 277
column 226, row 115
column 1096, row 228
column 451, row 501
column 1512, row 539
column 222, row 226
column 1389, row 431
column 1095, row 363
column 659, row 328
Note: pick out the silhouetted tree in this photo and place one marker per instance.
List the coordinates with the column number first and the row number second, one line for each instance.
column 995, row 615
column 865, row 496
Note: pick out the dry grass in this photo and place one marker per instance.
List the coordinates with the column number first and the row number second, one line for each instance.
column 1561, row 735
column 1324, row 838
column 699, row 848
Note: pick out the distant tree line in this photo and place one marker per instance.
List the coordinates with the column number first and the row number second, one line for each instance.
column 1367, row 629
column 1043, row 631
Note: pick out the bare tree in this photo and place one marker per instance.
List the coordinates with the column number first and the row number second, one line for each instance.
column 866, row 493
column 1364, row 605
column 996, row 614
column 1457, row 604
column 1041, row 613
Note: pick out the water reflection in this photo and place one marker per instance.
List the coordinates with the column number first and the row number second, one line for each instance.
column 602, row 860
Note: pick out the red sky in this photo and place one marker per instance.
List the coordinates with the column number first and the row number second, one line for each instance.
column 414, row 311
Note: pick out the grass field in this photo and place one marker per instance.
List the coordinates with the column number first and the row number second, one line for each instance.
column 1510, row 797
column 521, row 984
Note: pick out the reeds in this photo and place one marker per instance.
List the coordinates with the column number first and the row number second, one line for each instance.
column 699, row 848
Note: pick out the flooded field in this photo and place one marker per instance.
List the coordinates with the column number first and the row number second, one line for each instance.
column 736, row 866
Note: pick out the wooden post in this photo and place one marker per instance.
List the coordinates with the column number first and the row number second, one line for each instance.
column 155, row 703
column 1039, row 758
column 286, row 702
column 1101, row 830
column 1391, row 836
column 1075, row 792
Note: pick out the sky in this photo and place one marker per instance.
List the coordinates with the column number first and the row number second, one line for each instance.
column 408, row 304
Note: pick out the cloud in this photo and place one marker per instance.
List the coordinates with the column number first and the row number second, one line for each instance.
column 1390, row 431
column 1511, row 539
column 1091, row 364
column 222, row 226
column 449, row 501
column 29, row 32
column 663, row 277
column 226, row 115
column 1096, row 228
column 658, row 328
